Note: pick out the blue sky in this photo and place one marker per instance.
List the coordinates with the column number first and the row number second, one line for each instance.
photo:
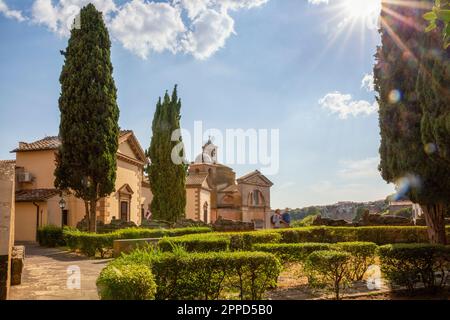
column 293, row 65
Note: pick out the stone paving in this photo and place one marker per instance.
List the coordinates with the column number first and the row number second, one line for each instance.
column 52, row 274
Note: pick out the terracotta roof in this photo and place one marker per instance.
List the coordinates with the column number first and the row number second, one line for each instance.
column 230, row 188
column 7, row 161
column 35, row 195
column 48, row 143
column 196, row 178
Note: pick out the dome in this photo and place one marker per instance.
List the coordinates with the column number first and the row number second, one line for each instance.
column 203, row 158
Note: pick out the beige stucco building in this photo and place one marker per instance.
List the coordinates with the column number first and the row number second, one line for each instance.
column 37, row 200
column 213, row 192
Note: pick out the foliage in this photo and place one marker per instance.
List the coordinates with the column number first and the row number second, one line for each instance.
column 406, row 119
column 328, row 268
column 440, row 13
column 362, row 256
column 409, row 264
column 195, row 244
column 126, row 282
column 50, row 236
column 92, row 244
column 208, row 276
column 292, row 252
column 167, row 178
column 305, row 222
column 377, row 234
column 246, row 240
column 89, row 130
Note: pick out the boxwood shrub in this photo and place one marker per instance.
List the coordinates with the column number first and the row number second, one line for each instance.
column 410, row 264
column 329, row 269
column 363, row 255
column 50, row 236
column 208, row 276
column 292, row 252
column 195, row 244
column 126, row 282
column 92, row 244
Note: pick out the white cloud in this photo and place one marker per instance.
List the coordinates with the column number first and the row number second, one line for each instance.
column 9, row 13
column 318, row 1
column 344, row 105
column 359, row 169
column 368, row 82
column 59, row 17
column 209, row 32
column 143, row 27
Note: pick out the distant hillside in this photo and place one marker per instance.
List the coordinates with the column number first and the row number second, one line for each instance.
column 340, row 211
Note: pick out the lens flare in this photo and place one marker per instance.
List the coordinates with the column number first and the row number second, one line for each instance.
column 395, row 96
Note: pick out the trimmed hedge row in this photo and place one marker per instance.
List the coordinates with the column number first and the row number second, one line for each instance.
column 220, row 241
column 377, row 234
column 126, row 282
column 91, row 244
column 50, row 236
column 362, row 253
column 207, row 276
column 411, row 264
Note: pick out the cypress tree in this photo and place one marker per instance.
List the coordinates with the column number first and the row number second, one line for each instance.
column 89, row 130
column 404, row 157
column 167, row 179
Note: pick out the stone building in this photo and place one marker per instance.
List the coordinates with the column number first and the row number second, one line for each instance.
column 213, row 192
column 37, row 200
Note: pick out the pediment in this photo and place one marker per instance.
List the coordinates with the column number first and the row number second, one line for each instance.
column 255, row 178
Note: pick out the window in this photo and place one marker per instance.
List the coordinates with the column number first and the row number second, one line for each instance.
column 124, row 210
column 205, row 212
column 256, row 197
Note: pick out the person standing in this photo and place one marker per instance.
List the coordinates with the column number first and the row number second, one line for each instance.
column 286, row 217
column 276, row 219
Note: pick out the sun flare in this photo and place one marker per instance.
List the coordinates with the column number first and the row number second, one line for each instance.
column 362, row 9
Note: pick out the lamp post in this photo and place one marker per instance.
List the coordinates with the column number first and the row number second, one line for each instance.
column 62, row 205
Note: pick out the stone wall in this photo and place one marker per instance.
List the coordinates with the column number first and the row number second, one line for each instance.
column 7, row 179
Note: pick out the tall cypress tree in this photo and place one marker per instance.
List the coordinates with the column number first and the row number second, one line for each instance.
column 167, row 179
column 89, row 130
column 404, row 156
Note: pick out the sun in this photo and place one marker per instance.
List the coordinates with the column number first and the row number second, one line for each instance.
column 362, row 9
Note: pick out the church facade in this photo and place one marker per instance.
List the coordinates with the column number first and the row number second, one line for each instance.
column 213, row 192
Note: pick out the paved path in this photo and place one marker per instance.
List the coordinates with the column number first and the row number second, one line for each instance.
column 49, row 271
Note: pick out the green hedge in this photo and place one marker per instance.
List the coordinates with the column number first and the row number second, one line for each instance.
column 126, row 282
column 50, row 236
column 379, row 234
column 208, row 276
column 363, row 255
column 92, row 244
column 329, row 269
column 195, row 244
column 292, row 252
column 411, row 264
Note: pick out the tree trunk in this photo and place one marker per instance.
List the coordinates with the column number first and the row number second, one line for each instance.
column 93, row 215
column 435, row 219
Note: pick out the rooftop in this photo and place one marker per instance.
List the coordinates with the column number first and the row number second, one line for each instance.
column 48, row 143
column 35, row 195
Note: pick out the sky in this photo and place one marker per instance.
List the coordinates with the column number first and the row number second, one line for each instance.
column 302, row 67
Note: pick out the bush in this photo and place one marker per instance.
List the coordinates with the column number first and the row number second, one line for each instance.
column 92, row 244
column 329, row 269
column 410, row 264
column 246, row 240
column 378, row 234
column 363, row 255
column 126, row 282
column 292, row 252
column 50, row 236
column 208, row 276
column 195, row 244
